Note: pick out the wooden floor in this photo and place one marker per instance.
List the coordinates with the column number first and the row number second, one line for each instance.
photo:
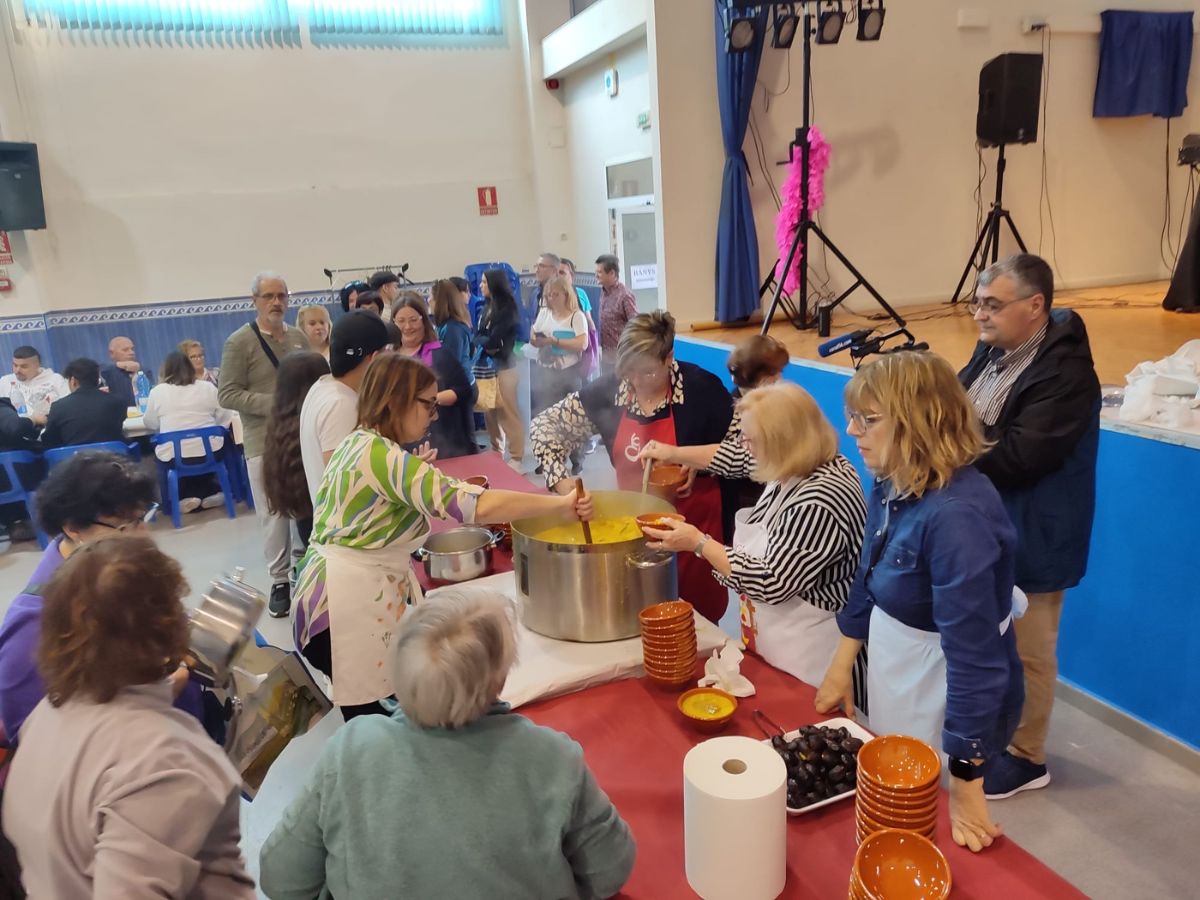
column 1126, row 325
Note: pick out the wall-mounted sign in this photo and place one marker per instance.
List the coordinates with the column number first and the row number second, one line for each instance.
column 644, row 276
column 489, row 204
column 6, row 258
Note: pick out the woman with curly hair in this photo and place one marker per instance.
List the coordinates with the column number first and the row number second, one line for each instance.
column 283, row 475
column 112, row 790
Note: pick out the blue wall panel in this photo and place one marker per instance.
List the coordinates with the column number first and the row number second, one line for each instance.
column 1130, row 632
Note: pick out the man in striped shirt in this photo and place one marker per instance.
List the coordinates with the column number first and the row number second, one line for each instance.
column 1034, row 384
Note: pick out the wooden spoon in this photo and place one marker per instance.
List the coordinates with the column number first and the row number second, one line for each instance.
column 587, row 528
column 646, row 474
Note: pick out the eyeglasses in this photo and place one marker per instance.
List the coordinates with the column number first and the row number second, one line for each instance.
column 863, row 421
column 991, row 306
column 431, row 406
column 280, row 296
column 145, row 519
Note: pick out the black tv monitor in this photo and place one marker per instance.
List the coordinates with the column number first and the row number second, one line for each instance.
column 21, row 204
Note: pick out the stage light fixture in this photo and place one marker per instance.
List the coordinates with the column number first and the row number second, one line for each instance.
column 739, row 30
column 785, row 23
column 870, row 19
column 830, row 21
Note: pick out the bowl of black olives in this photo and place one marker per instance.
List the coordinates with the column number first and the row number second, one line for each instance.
column 822, row 763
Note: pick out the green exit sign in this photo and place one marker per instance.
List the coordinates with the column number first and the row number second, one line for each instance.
column 643, row 120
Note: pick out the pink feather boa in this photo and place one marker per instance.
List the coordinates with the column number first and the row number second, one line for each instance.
column 789, row 213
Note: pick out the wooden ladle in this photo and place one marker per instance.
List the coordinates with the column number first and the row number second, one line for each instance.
column 587, row 528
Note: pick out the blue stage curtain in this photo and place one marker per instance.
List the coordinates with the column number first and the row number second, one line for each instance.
column 1144, row 62
column 737, row 238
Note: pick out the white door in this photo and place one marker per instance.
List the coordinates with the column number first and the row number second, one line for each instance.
column 638, row 251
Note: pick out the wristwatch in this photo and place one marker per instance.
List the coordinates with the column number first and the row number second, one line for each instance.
column 965, row 770
column 699, row 550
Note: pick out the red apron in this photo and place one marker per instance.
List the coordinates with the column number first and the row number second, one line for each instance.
column 702, row 509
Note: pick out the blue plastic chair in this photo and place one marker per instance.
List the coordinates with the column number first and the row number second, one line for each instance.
column 171, row 472
column 16, row 493
column 474, row 274
column 239, row 474
column 60, row 454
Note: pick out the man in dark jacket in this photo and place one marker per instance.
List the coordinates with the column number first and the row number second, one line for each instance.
column 16, row 433
column 1034, row 385
column 87, row 415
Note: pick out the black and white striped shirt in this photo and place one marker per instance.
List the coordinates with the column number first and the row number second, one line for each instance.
column 990, row 390
column 815, row 534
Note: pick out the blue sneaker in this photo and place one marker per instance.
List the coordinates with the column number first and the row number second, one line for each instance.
column 1009, row 775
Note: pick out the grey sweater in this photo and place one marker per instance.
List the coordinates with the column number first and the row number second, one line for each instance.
column 126, row 799
column 248, row 379
column 501, row 808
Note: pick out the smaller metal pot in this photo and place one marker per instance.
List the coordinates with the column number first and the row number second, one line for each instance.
column 460, row 554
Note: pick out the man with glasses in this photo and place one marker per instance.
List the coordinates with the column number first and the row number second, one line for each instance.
column 248, row 366
column 1034, row 385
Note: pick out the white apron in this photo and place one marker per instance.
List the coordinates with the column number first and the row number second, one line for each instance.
column 906, row 681
column 794, row 636
column 368, row 592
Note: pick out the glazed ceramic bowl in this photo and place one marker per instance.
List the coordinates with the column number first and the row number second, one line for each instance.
column 899, row 800
column 707, row 709
column 901, row 865
column 672, row 611
column 654, row 520
column 899, row 763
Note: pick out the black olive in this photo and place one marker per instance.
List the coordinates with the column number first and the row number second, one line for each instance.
column 803, row 779
column 793, row 745
column 842, row 733
column 844, row 786
column 812, row 769
column 791, row 758
column 822, row 789
column 817, row 743
column 851, row 779
column 834, row 745
column 792, row 785
column 829, row 758
column 837, row 773
column 803, row 746
column 810, row 798
column 849, row 761
column 852, row 744
column 778, row 742
column 794, row 801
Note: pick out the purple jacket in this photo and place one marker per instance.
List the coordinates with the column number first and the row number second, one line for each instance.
column 21, row 686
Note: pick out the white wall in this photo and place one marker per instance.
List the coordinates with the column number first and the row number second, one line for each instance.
column 900, row 115
column 176, row 173
column 601, row 129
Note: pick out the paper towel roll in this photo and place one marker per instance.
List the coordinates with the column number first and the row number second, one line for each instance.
column 735, row 819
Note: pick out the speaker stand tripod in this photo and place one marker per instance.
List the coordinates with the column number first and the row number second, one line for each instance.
column 988, row 242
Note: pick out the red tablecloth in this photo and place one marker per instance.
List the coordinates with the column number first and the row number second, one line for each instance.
column 635, row 740
column 499, row 475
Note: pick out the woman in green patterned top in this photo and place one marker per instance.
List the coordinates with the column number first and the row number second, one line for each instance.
column 373, row 509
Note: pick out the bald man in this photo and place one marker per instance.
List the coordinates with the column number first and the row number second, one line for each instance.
column 119, row 376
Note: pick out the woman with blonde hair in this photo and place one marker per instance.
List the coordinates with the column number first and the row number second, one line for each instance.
column 194, row 351
column 649, row 397
column 373, row 509
column 934, row 589
column 314, row 321
column 793, row 554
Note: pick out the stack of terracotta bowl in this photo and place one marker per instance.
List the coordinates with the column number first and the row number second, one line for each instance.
column 899, row 865
column 669, row 643
column 898, row 784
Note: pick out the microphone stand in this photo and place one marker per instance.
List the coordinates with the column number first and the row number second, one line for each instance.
column 874, row 345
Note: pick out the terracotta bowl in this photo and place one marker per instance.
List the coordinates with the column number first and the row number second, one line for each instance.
column 866, row 825
column 916, row 820
column 676, row 683
column 675, row 651
column 670, row 671
column 671, row 611
column 899, row 762
column 653, row 520
column 901, row 865
column 707, row 709
column 670, row 665
column 684, row 632
column 478, row 481
column 666, row 479
column 898, row 801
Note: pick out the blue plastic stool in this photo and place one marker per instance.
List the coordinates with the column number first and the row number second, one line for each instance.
column 60, row 454
column 16, row 493
column 175, row 469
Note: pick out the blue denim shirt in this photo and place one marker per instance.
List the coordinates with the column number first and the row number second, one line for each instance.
column 946, row 565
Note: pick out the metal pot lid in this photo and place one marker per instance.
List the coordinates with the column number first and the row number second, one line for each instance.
column 466, row 539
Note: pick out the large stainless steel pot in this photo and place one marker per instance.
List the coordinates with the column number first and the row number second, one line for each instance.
column 223, row 624
column 459, row 554
column 592, row 592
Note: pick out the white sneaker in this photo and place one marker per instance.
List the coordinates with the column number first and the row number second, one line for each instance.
column 189, row 504
column 517, row 466
column 213, row 501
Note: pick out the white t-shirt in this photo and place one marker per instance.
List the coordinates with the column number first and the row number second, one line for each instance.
column 36, row 394
column 181, row 407
column 329, row 414
column 574, row 325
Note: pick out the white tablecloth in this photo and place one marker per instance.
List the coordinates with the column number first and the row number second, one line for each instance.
column 546, row 667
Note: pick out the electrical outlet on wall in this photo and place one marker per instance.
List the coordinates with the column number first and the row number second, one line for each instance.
column 1030, row 24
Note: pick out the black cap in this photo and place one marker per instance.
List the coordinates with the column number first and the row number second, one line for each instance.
column 379, row 279
column 355, row 336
